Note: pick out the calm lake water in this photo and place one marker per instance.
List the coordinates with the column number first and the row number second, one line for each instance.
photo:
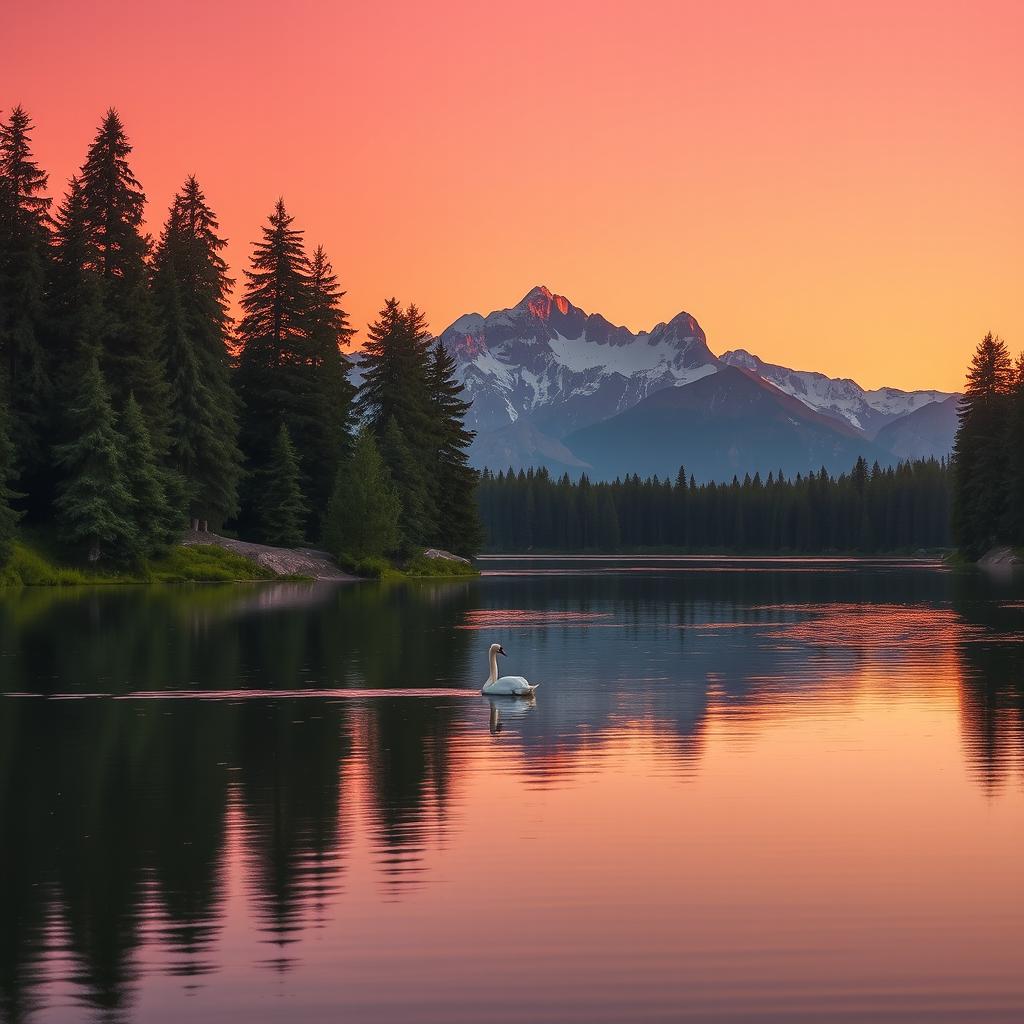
column 746, row 791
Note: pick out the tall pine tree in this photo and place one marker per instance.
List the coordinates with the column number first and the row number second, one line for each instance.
column 190, row 288
column 396, row 386
column 24, row 255
column 980, row 457
column 325, row 440
column 273, row 345
column 111, row 207
column 458, row 519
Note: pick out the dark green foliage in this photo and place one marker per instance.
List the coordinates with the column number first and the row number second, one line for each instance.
column 24, row 255
column 396, row 387
column 901, row 508
column 8, row 515
column 190, row 288
column 363, row 516
column 271, row 339
column 157, row 521
column 395, row 364
column 980, row 453
column 94, row 506
column 290, row 366
column 409, row 475
column 326, row 437
column 1013, row 527
column 129, row 408
column 282, row 509
column 459, row 528
column 109, row 208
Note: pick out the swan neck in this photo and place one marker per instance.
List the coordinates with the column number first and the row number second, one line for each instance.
column 494, row 667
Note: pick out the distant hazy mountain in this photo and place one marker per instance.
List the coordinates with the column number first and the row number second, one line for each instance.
column 840, row 397
column 730, row 423
column 541, row 372
column 926, row 432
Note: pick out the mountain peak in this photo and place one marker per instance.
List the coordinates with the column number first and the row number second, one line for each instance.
column 540, row 301
column 686, row 325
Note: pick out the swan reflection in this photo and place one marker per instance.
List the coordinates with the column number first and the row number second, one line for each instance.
column 513, row 707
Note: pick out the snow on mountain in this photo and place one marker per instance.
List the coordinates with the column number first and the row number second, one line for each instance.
column 544, row 369
column 549, row 361
column 839, row 397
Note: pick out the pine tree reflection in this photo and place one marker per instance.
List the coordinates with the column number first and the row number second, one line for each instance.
column 992, row 687
column 120, row 809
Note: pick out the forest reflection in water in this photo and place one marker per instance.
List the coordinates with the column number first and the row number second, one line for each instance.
column 153, row 846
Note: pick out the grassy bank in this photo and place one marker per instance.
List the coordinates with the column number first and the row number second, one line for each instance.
column 419, row 567
column 33, row 566
column 37, row 562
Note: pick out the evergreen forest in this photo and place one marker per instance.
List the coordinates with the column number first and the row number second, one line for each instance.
column 136, row 403
column 134, row 406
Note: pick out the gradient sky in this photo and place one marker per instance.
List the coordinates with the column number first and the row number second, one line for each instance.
column 832, row 185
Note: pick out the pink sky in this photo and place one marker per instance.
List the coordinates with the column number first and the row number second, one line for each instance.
column 834, row 186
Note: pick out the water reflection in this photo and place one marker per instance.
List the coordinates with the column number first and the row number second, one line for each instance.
column 126, row 820
column 505, row 708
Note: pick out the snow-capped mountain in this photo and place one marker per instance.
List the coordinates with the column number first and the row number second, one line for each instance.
column 544, row 369
column 547, row 360
column 839, row 397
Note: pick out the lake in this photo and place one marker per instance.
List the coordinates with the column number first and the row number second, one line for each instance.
column 747, row 790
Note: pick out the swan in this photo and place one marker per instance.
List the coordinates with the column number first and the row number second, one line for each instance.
column 512, row 686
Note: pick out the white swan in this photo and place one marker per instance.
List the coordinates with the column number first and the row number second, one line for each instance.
column 512, row 686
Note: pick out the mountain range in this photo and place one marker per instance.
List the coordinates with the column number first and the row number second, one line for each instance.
column 556, row 386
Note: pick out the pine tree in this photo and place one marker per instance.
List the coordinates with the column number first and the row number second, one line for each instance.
column 459, row 527
column 394, row 373
column 24, row 256
column 283, row 511
column 363, row 516
column 331, row 393
column 157, row 522
column 190, row 287
column 1014, row 523
column 396, row 385
column 94, row 505
column 112, row 207
column 9, row 516
column 981, row 470
column 273, row 342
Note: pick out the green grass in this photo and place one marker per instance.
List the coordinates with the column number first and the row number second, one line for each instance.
column 29, row 566
column 421, row 567
column 369, row 568
column 205, row 563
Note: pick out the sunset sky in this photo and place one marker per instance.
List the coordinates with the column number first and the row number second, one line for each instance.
column 834, row 186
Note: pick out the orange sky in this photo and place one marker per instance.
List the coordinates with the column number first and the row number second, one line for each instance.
column 832, row 185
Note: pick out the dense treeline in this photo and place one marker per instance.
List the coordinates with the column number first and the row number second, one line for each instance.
column 869, row 509
column 988, row 457
column 131, row 405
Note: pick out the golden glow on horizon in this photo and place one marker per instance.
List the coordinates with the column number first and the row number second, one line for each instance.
column 832, row 186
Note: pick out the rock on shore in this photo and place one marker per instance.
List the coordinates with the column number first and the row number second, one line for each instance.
column 1000, row 558
column 283, row 561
